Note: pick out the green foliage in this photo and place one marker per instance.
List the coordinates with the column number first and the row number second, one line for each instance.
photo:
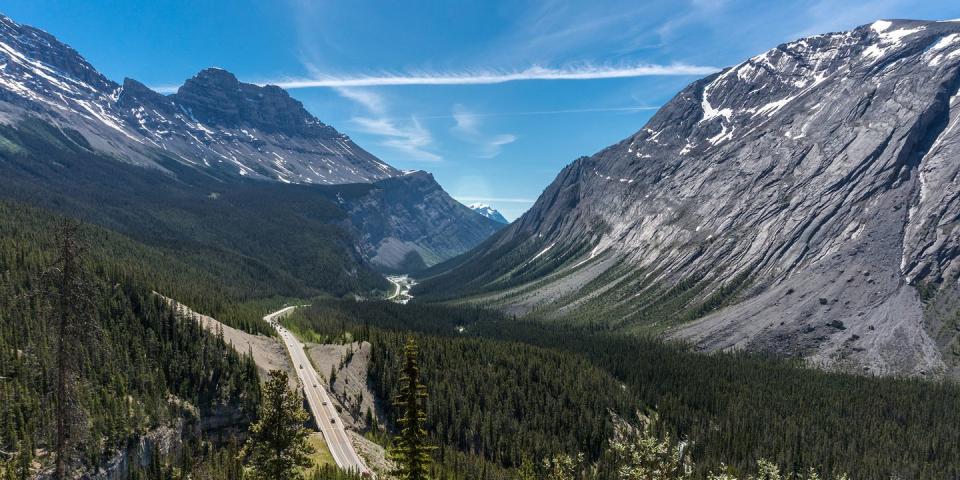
column 504, row 388
column 411, row 451
column 144, row 367
column 27, row 236
column 498, row 400
column 564, row 467
column 328, row 472
column 635, row 453
column 277, row 447
column 257, row 239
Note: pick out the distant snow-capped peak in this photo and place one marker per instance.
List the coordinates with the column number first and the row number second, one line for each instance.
column 488, row 211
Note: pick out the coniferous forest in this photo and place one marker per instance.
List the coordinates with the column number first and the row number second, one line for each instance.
column 504, row 393
column 505, row 390
column 134, row 367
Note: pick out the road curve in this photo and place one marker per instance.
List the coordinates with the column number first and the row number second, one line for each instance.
column 322, row 409
column 402, row 285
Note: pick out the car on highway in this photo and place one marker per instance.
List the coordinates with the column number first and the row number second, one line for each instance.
column 333, row 420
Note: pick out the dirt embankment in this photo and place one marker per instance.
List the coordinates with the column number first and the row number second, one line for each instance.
column 268, row 353
column 353, row 396
column 349, row 364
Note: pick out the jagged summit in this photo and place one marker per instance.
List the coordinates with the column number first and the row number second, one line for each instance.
column 215, row 97
column 214, row 122
column 489, row 212
column 799, row 202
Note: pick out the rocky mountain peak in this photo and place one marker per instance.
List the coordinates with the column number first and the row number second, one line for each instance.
column 489, row 212
column 215, row 96
column 214, row 122
column 32, row 50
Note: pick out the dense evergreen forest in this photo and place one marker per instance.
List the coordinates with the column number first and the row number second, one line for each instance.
column 223, row 291
column 135, row 366
column 547, row 388
column 258, row 238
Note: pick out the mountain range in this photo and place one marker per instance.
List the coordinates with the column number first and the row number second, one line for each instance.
column 213, row 135
column 802, row 203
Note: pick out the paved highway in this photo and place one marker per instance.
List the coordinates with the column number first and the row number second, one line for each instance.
column 402, row 285
column 318, row 400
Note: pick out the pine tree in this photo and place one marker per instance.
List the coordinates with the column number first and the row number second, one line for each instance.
column 411, row 452
column 278, row 446
column 70, row 296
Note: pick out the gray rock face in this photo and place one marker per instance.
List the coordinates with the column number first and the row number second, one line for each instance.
column 799, row 202
column 409, row 222
column 214, row 122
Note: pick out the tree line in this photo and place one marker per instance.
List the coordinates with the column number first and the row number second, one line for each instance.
column 89, row 362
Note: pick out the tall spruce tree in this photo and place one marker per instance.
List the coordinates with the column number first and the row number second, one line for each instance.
column 277, row 447
column 68, row 296
column 411, row 452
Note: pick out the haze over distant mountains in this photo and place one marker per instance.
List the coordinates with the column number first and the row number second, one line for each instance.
column 804, row 202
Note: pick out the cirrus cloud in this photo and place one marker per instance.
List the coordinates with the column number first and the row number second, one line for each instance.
column 487, row 77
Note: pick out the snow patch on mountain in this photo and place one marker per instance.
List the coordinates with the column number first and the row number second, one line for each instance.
column 489, row 212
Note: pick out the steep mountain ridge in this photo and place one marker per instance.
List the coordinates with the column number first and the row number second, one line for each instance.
column 217, row 122
column 213, row 122
column 800, row 203
column 401, row 230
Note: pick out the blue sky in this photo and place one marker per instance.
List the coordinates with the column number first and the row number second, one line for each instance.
column 494, row 97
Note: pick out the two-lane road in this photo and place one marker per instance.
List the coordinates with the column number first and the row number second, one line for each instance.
column 318, row 400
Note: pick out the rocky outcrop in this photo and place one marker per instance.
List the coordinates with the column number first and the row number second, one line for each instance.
column 801, row 202
column 409, row 222
column 488, row 211
column 163, row 441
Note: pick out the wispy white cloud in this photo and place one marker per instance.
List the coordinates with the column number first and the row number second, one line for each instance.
column 410, row 139
column 371, row 100
column 581, row 72
column 407, row 137
column 547, row 112
column 468, row 128
column 697, row 12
